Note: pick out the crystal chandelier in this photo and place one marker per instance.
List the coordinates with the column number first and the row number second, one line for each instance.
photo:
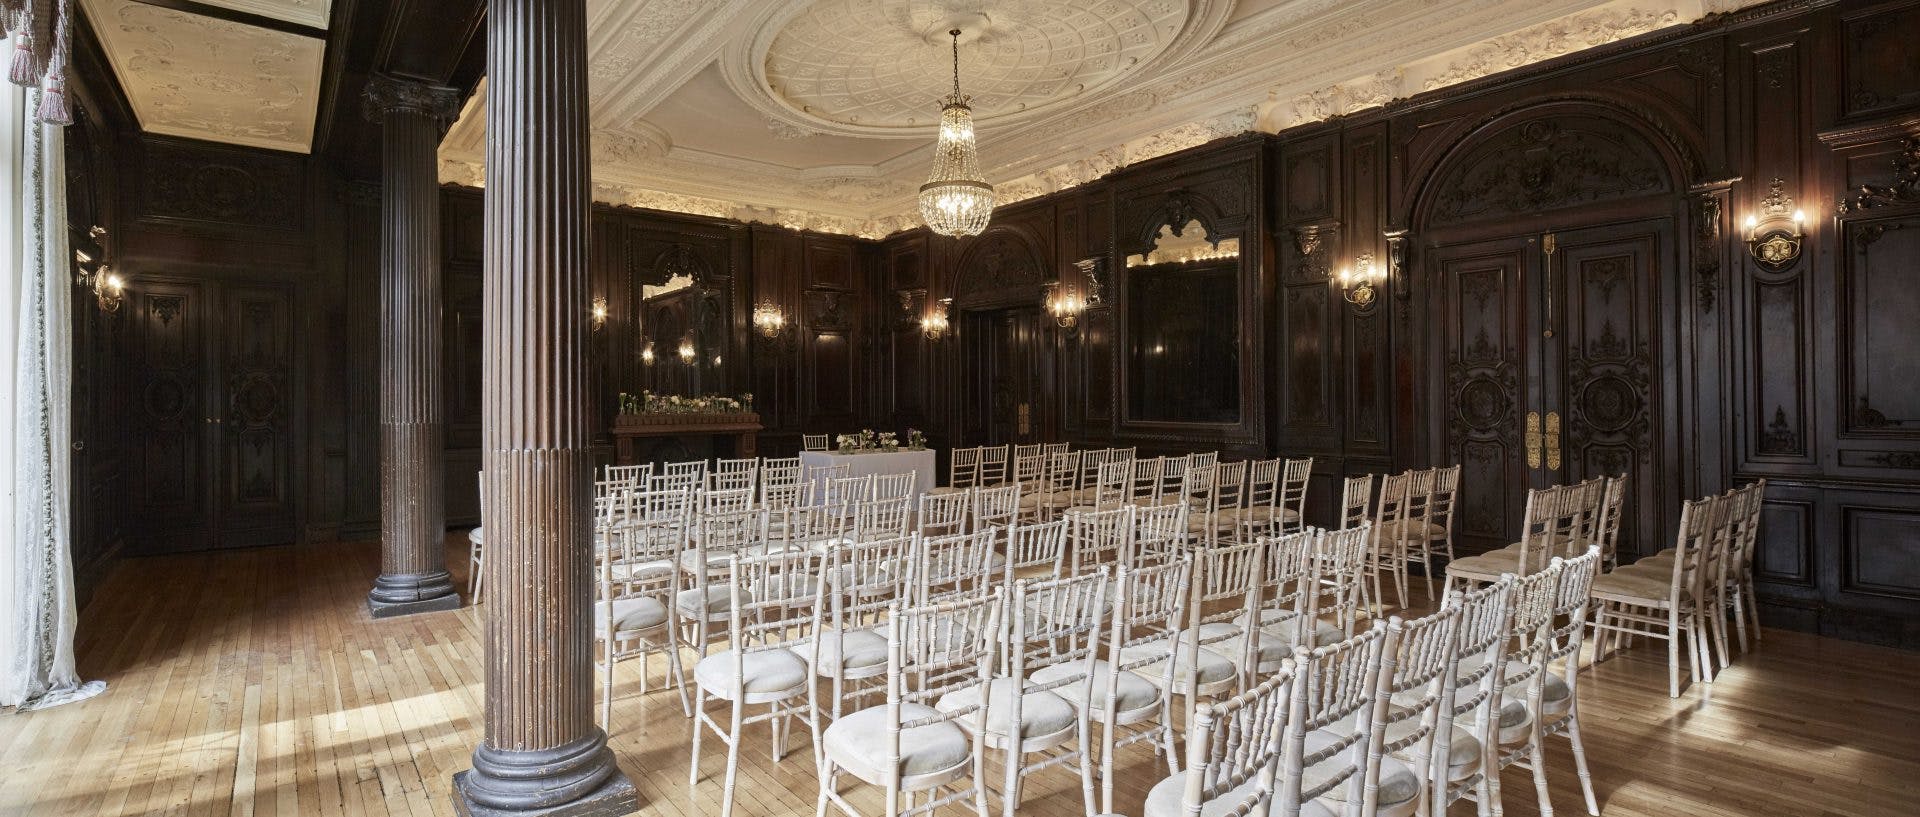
column 955, row 200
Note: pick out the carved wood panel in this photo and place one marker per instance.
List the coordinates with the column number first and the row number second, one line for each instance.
column 1878, row 61
column 259, row 402
column 1881, row 314
column 172, row 375
column 1483, row 290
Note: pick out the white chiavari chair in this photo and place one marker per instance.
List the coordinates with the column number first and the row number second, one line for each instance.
column 1173, row 474
column 821, row 476
column 895, row 486
column 940, row 514
column 998, row 506
column 727, row 500
column 1230, row 497
column 685, row 474
column 865, row 580
column 844, row 490
column 1089, row 479
column 780, row 481
column 1233, row 755
column 1053, row 630
column 1343, row 557
column 1330, row 734
column 770, row 617
column 1356, row 501
column 815, row 442
column 1414, row 685
column 949, row 567
column 1294, row 475
column 993, row 465
column 1664, row 597
column 1199, row 458
column 1099, row 538
column 1551, row 517
column 1200, row 492
column 1033, row 450
column 1055, row 448
column 1471, row 698
column 1059, row 481
column 1387, row 553
column 1143, row 485
column 477, row 546
column 1035, row 551
column 1149, row 606
column 1552, row 696
column 1289, row 609
column 705, row 578
column 633, row 613
column 1029, row 471
column 1226, row 585
column 905, row 746
column 634, row 476
column 1528, row 628
column 1413, row 536
column 880, row 519
column 1446, row 490
column 1159, row 533
column 963, row 471
column 730, row 475
column 1259, row 510
column 1109, row 487
column 804, row 527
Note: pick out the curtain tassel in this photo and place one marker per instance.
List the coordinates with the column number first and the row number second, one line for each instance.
column 21, row 72
column 55, row 109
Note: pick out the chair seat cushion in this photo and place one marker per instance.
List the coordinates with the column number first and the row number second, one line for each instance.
column 1555, row 696
column 1260, row 514
column 713, row 600
column 850, row 650
column 1212, row 667
column 1222, row 638
column 764, row 671
column 1132, row 693
column 858, row 744
column 631, row 617
column 478, row 535
column 1400, row 786
column 1463, row 751
column 1164, row 799
column 1491, row 563
column 1041, row 713
column 1634, row 582
column 944, row 490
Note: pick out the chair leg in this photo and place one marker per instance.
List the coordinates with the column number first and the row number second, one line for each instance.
column 1719, row 623
column 1580, row 758
column 1753, row 605
column 1010, row 784
column 1673, row 655
column 1740, row 615
column 606, row 688
column 1539, row 764
column 699, row 731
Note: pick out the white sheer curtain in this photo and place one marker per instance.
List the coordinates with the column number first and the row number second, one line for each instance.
column 36, row 594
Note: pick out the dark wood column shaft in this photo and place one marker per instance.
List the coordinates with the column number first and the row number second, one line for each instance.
column 542, row 753
column 413, row 570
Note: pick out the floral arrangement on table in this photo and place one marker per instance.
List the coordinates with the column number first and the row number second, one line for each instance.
column 868, row 440
column 647, row 407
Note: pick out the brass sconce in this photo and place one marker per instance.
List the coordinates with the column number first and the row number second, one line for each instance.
column 686, row 351
column 1774, row 233
column 934, row 325
column 109, row 289
column 1064, row 304
column 1356, row 282
column 646, row 353
column 769, row 320
column 599, row 313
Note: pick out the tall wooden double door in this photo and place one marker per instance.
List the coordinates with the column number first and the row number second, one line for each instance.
column 216, row 433
column 1553, row 368
column 1006, row 369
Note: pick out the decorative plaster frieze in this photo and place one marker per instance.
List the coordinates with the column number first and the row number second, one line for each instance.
column 1549, row 40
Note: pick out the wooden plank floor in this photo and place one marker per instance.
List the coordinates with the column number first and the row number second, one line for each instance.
column 254, row 683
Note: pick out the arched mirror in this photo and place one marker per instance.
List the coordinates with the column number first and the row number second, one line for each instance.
column 684, row 325
column 1183, row 328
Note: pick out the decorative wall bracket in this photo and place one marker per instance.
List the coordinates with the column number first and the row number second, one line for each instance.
column 1093, row 272
column 1774, row 232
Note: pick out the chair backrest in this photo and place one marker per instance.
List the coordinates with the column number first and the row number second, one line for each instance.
column 635, row 560
column 722, row 533
column 995, row 506
column 939, row 650
column 1414, row 682
column 1263, row 483
column 733, row 481
column 693, row 474
column 1159, row 533
column 1054, row 448
column 1472, row 696
column 1390, row 513
column 1144, row 485
column 939, row 514
column 821, row 477
column 1419, row 503
column 895, row 486
column 1446, row 489
column 866, row 579
column 1589, row 516
column 1234, row 748
column 879, row 519
column 1740, row 559
column 1611, row 507
column 1052, row 622
column 1028, row 470
column 1173, row 471
column 1342, row 570
column 633, row 475
column 1551, row 518
column 963, row 468
column 726, row 500
column 1293, row 494
column 1291, row 584
column 1226, row 585
column 1702, row 524
column 949, row 567
column 1199, row 490
column 993, row 465
column 1336, row 688
column 1356, row 500
column 804, row 526
column 1041, row 546
column 1230, row 486
column 1062, row 472
column 844, row 490
column 1530, row 625
column 1090, row 462
column 1111, row 483
column 1149, row 604
column 1099, row 538
column 1033, row 450
column 782, row 494
column 773, row 596
column 814, row 442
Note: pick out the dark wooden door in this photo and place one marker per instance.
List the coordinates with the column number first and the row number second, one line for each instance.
column 1006, row 371
column 216, row 432
column 1553, row 372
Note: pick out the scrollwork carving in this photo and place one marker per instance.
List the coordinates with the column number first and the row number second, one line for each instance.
column 1706, row 250
column 387, row 94
column 1544, row 164
column 1905, row 188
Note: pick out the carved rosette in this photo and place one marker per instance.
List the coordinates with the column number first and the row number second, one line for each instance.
column 387, row 95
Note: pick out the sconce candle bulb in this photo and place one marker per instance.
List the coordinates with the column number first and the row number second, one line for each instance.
column 769, row 320
column 1775, row 232
column 1357, row 287
column 934, row 324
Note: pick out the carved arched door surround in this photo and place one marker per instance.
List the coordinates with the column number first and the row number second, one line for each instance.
column 998, row 334
column 1224, row 199
column 1549, row 243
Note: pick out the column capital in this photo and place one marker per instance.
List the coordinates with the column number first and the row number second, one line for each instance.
column 386, row 94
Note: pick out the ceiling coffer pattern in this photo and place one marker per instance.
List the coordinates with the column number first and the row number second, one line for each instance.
column 205, row 78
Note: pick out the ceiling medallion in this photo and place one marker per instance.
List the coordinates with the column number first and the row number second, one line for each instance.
column 956, row 201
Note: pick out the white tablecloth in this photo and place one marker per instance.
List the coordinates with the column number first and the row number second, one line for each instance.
column 879, row 462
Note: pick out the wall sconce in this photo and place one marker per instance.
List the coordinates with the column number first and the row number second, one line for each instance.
column 686, row 351
column 1064, row 304
column 599, row 313
column 109, row 289
column 934, row 325
column 769, row 320
column 1770, row 240
column 646, row 353
column 1356, row 282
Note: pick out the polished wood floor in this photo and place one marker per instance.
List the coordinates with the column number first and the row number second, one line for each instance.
column 254, row 683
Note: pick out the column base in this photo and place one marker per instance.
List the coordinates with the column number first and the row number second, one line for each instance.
column 405, row 595
column 580, row 780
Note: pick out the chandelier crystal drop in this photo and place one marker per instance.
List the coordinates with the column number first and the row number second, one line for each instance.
column 956, row 201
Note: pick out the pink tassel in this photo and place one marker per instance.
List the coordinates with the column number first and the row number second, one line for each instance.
column 54, row 107
column 22, row 71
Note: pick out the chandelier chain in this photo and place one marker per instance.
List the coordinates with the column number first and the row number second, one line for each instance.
column 955, row 34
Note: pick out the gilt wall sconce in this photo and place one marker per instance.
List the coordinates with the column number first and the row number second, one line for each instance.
column 1064, row 304
column 769, row 320
column 935, row 324
column 1775, row 231
column 1357, row 282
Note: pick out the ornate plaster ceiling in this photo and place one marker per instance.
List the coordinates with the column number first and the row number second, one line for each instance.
column 808, row 112
column 305, row 12
column 196, row 76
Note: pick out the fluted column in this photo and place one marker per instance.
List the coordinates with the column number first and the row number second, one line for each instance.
column 413, row 519
column 542, row 753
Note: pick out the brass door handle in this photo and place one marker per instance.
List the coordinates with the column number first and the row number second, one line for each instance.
column 1533, row 439
column 1553, row 441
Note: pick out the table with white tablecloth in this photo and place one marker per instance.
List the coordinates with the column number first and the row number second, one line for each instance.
column 860, row 464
